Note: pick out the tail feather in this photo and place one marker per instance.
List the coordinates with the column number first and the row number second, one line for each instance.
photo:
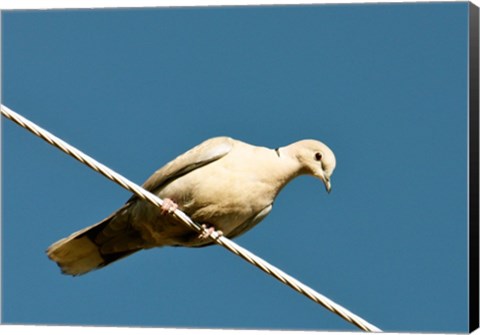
column 95, row 247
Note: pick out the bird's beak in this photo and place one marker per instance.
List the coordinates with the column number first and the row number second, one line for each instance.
column 328, row 185
column 325, row 178
column 326, row 181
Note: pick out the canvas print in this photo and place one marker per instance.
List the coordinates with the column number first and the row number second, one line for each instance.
column 333, row 141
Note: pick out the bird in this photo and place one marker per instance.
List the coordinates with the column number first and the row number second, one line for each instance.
column 224, row 184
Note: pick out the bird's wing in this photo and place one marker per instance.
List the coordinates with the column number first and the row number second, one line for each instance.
column 247, row 225
column 201, row 155
column 252, row 222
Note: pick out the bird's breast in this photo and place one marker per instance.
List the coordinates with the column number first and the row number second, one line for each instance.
column 220, row 195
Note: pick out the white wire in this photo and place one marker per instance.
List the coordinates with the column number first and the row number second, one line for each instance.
column 221, row 240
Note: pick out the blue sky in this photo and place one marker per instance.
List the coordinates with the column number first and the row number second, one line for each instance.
column 385, row 86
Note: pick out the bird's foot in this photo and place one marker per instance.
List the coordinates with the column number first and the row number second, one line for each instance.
column 209, row 230
column 169, row 206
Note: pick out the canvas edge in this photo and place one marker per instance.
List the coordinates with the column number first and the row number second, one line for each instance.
column 473, row 168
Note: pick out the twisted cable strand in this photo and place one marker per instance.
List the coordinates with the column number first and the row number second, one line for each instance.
column 219, row 239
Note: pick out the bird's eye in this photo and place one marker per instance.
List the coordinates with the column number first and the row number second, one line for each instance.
column 318, row 156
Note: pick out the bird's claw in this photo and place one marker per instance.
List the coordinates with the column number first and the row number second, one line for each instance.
column 208, row 231
column 168, row 206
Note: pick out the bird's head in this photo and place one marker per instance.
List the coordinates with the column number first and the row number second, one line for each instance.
column 317, row 160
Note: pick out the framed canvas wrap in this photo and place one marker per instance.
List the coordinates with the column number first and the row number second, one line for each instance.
column 392, row 89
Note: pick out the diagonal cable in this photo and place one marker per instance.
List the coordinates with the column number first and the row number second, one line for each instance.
column 219, row 239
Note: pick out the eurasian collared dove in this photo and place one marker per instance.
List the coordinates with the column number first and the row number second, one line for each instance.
column 225, row 184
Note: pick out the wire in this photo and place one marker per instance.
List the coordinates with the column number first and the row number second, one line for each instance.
column 218, row 238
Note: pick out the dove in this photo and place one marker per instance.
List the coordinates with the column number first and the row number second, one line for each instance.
column 224, row 184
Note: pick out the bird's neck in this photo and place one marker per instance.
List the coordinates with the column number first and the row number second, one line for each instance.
column 288, row 166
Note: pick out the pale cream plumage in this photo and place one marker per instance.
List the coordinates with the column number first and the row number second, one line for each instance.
column 224, row 183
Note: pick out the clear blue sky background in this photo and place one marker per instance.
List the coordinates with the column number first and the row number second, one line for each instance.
column 385, row 86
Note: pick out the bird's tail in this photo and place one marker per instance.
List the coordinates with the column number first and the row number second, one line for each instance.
column 96, row 246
